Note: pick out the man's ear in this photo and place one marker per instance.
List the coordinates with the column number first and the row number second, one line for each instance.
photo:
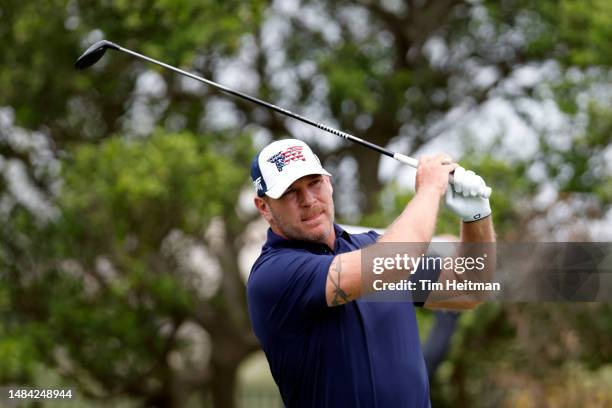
column 263, row 208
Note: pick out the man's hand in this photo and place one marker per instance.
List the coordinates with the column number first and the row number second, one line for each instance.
column 463, row 198
column 432, row 173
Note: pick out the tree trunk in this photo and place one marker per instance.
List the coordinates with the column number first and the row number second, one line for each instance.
column 370, row 185
column 223, row 385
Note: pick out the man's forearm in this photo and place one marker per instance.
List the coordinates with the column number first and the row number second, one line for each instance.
column 471, row 232
column 418, row 220
column 413, row 230
column 478, row 231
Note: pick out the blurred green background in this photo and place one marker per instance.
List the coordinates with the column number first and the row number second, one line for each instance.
column 126, row 223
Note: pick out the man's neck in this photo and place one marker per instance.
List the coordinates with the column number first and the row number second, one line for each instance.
column 331, row 238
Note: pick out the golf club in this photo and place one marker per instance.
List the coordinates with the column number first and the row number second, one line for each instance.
column 97, row 50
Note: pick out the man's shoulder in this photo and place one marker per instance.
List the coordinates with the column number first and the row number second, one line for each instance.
column 295, row 277
column 274, row 259
column 275, row 254
column 267, row 255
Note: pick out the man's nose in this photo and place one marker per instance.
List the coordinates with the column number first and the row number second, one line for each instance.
column 307, row 198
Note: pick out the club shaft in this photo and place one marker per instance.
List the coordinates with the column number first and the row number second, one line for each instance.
column 397, row 156
column 268, row 105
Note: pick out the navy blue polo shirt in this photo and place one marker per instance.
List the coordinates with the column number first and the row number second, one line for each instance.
column 360, row 354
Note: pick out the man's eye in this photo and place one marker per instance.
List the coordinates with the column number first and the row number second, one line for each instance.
column 315, row 182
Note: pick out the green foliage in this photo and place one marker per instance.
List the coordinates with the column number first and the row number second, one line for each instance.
column 587, row 29
column 45, row 39
column 529, row 352
column 18, row 357
column 120, row 199
column 148, row 187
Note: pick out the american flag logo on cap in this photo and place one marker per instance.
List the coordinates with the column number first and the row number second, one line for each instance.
column 283, row 158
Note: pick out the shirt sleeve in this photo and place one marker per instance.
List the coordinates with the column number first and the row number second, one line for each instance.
column 288, row 290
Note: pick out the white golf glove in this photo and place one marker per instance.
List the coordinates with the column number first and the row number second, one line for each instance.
column 463, row 196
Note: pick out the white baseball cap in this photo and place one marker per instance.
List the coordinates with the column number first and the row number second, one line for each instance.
column 281, row 163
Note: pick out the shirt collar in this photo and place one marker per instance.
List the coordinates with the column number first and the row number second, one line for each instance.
column 276, row 241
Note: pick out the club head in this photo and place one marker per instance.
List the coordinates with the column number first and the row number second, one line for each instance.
column 94, row 53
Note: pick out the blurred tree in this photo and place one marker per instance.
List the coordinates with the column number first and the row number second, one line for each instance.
column 113, row 293
column 391, row 72
column 407, row 71
column 40, row 85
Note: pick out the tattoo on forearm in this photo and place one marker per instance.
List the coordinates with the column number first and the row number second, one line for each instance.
column 340, row 296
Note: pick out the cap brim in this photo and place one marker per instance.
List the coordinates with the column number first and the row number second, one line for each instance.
column 276, row 191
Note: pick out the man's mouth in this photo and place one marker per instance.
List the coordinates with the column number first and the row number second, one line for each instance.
column 312, row 217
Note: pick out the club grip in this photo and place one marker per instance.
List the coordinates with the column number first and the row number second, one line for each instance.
column 402, row 158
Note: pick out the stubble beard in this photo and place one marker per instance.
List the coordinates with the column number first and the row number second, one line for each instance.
column 295, row 233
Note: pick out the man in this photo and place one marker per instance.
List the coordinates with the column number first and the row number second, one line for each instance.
column 326, row 345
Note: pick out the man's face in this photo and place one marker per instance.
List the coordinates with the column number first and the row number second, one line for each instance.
column 305, row 211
